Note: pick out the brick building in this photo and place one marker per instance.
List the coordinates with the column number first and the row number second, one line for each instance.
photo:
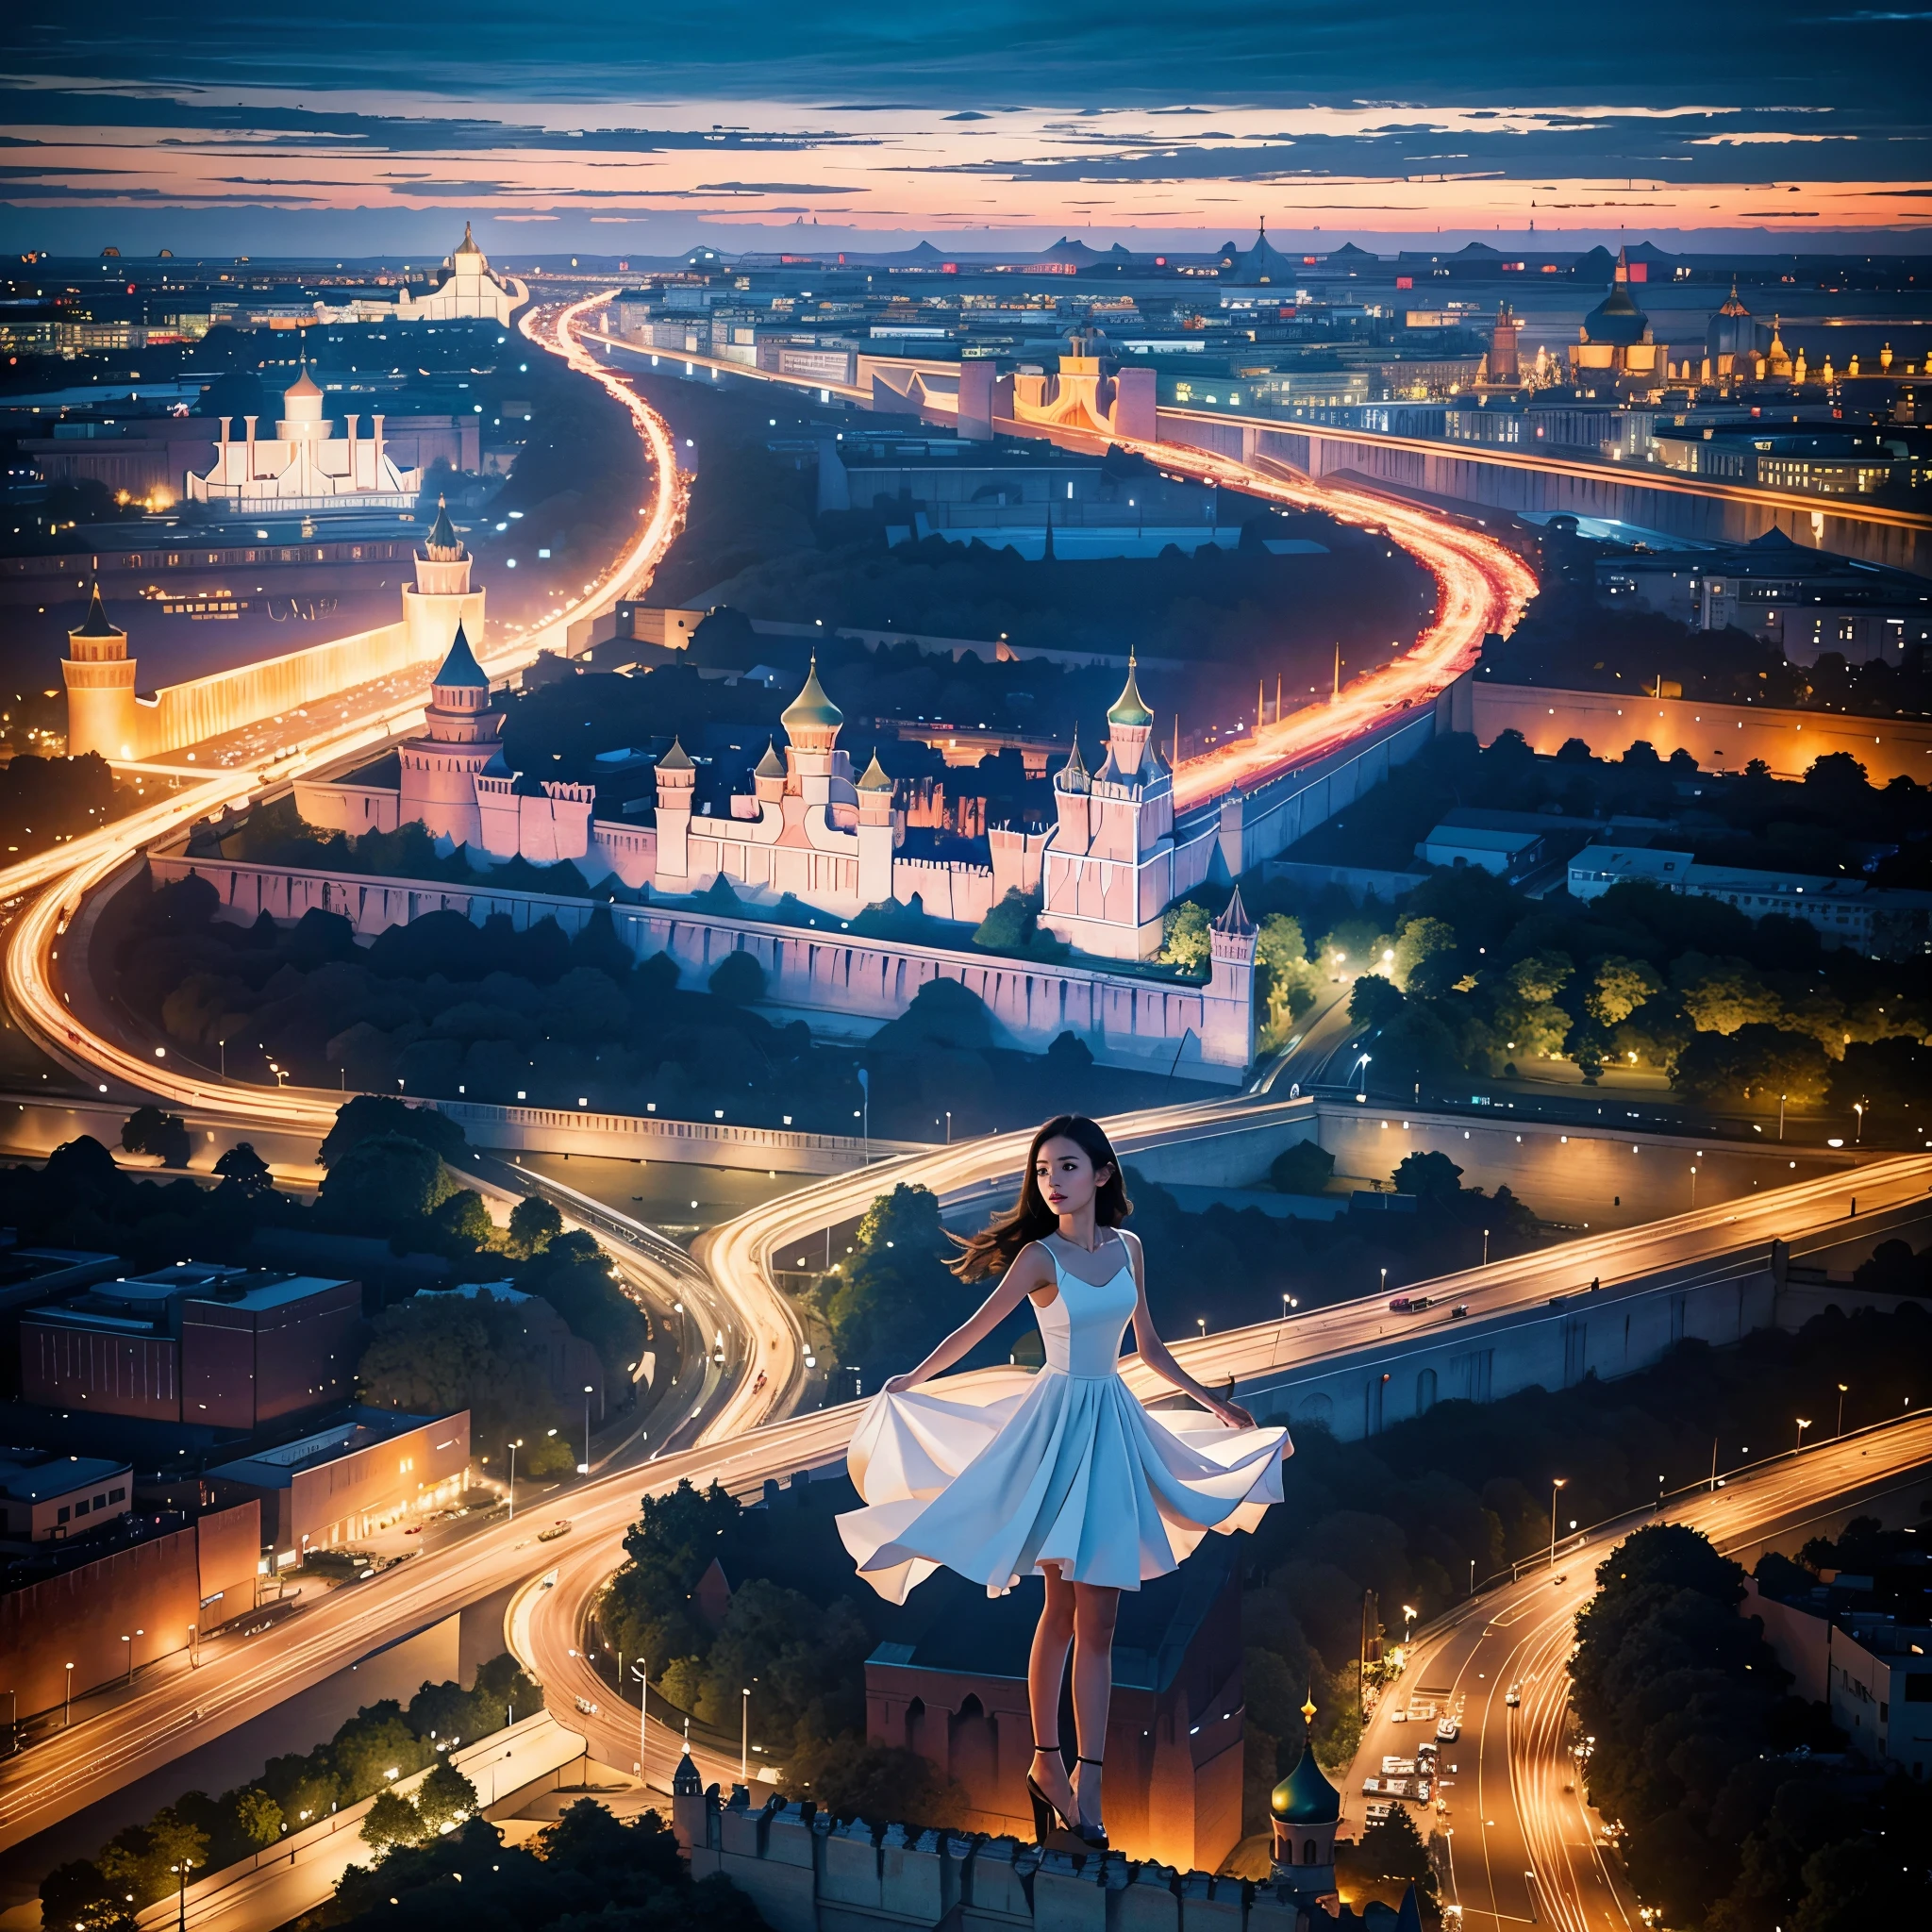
column 196, row 1343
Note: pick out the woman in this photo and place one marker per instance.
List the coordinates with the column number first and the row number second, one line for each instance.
column 1073, row 1479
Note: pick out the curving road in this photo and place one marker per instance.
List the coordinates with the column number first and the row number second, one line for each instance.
column 1522, row 1843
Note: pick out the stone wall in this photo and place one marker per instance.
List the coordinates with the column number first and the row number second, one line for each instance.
column 808, row 1873
column 1124, row 1019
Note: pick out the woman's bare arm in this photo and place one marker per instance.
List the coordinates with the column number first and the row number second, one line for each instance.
column 1156, row 1354
column 1031, row 1270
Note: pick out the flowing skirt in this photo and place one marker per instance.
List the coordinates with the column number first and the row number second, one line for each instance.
column 1075, row 1471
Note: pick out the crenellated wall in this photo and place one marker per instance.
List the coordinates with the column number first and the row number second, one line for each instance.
column 807, row 1873
column 1126, row 1019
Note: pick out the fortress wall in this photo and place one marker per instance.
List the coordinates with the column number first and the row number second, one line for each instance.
column 1124, row 1020
column 1719, row 737
column 183, row 714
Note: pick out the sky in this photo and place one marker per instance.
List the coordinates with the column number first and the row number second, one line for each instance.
column 370, row 128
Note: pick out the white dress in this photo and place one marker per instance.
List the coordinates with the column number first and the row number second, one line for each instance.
column 1075, row 1471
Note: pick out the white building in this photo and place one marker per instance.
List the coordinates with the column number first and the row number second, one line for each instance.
column 304, row 465
column 463, row 286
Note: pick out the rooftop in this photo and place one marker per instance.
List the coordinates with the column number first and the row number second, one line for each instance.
column 46, row 1476
column 356, row 1428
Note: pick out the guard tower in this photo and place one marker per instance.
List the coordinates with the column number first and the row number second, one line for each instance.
column 99, row 676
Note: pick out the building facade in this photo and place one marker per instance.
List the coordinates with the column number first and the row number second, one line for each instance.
column 304, row 466
column 463, row 286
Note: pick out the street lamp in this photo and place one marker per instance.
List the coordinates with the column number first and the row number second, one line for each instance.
column 584, row 1467
column 513, row 1448
column 1803, row 1423
column 744, row 1736
column 67, row 1700
column 183, row 1869
column 1842, row 1386
column 1858, row 1109
column 1408, row 1624
column 1556, row 1483
column 642, row 1679
column 1486, row 1247
column 1201, row 1323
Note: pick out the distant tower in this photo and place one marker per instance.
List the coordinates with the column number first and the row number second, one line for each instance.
column 876, row 834
column 1306, row 1808
column 676, row 781
column 441, row 602
column 688, row 1822
column 1503, row 366
column 1228, row 1002
column 99, row 676
column 812, row 722
column 459, row 741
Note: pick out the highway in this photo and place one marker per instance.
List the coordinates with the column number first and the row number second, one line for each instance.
column 1524, row 1844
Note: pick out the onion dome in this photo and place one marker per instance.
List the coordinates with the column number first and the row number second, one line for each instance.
column 1072, row 776
column 811, row 709
column 875, row 779
column 1129, row 709
column 97, row 623
column 1617, row 320
column 771, row 765
column 443, row 544
column 467, row 246
column 1305, row 1796
column 303, row 385
column 460, row 666
column 677, row 758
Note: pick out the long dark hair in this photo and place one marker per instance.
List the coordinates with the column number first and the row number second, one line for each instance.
column 991, row 1251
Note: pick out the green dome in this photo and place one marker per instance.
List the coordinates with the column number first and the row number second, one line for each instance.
column 1305, row 1796
column 811, row 707
column 1129, row 709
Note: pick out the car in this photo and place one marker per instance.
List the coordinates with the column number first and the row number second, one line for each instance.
column 1371, row 1785
column 1460, row 1312
column 1560, row 1583
column 1426, row 1753
column 1397, row 1767
column 1448, row 1729
column 1513, row 1696
column 1408, row 1304
column 1398, row 1717
column 1374, row 1815
column 1424, row 1788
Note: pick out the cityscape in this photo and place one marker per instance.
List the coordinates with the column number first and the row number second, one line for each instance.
column 631, row 648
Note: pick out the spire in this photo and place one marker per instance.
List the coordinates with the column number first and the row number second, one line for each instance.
column 771, row 765
column 875, row 779
column 1129, row 709
column 1234, row 920
column 677, row 758
column 97, row 623
column 685, row 1780
column 460, row 666
column 1732, row 305
column 1072, row 776
column 443, row 544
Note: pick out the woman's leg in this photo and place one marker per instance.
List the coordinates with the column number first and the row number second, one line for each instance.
column 1046, row 1670
column 1095, row 1608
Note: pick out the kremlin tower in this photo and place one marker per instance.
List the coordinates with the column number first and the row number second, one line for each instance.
column 99, row 676
column 440, row 604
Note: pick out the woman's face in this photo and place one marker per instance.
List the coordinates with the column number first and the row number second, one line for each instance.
column 1066, row 1177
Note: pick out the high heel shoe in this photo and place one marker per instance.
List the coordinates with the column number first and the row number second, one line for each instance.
column 1047, row 1819
column 1092, row 1836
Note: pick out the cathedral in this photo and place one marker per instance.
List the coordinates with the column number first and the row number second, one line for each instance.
column 809, row 829
column 463, row 286
column 1615, row 341
column 304, row 465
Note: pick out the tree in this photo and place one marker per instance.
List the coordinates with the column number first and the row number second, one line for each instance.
column 739, row 979
column 258, row 1817
column 242, row 1167
column 148, row 1130
column 1068, row 1053
column 383, row 1184
column 850, row 1778
column 1618, row 986
column 647, row 1608
column 1373, row 1001
column 1304, row 1168
column 1392, row 1848
column 392, row 1819
column 1722, row 995
column 1185, row 936
column 1538, row 977
column 893, row 1297
column 462, row 1222
column 375, row 1747
column 445, row 1799
column 1754, row 1065
column 1429, row 1176
column 534, row 1222
column 578, row 1278
column 1424, row 948
column 369, row 1116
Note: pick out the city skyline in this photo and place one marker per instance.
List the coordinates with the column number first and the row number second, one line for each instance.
column 363, row 135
